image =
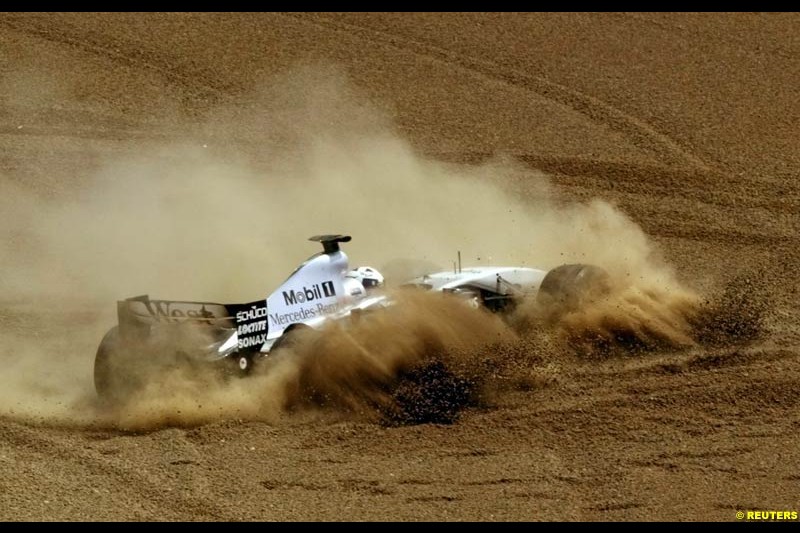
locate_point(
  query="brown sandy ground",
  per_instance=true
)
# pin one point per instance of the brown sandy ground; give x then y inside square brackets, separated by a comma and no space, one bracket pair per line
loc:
[688,122]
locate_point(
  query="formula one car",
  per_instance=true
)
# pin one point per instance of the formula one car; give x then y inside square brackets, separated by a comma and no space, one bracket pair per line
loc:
[234,335]
[323,288]
[500,289]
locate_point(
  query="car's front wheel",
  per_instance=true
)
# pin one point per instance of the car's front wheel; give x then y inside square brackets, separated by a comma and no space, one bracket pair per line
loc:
[570,287]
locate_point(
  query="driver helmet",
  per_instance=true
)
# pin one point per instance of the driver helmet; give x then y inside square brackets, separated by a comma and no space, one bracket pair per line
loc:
[368,276]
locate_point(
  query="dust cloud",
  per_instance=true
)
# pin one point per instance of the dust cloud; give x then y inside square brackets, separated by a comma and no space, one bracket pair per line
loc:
[352,368]
[223,214]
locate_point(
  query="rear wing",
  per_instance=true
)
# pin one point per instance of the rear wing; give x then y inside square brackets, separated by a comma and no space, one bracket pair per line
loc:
[139,314]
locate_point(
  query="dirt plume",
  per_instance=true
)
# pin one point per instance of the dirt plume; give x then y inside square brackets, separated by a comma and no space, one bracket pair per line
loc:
[368,366]
[738,313]
[196,218]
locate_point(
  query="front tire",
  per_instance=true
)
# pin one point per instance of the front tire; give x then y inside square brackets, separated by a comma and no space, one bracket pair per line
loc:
[570,287]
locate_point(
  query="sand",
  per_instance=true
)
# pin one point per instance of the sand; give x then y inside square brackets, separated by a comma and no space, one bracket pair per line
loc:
[189,156]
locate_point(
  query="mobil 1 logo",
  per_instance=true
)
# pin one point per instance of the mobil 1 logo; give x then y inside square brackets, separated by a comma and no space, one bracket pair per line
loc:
[305,294]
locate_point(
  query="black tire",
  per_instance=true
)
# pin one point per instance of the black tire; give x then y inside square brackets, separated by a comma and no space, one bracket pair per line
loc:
[570,287]
[109,379]
[120,369]
[103,363]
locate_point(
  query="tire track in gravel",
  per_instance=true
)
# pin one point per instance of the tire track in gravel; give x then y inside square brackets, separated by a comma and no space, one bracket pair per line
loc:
[656,179]
[684,192]
[641,134]
[124,52]
[631,438]
[730,40]
[146,487]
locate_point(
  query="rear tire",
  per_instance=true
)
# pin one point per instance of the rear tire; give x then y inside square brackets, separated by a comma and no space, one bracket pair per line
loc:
[116,376]
[106,372]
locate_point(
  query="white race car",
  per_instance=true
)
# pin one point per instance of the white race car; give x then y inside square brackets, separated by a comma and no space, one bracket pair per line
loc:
[321,289]
[500,289]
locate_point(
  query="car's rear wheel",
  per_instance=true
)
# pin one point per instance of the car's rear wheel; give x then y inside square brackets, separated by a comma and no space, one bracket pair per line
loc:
[115,378]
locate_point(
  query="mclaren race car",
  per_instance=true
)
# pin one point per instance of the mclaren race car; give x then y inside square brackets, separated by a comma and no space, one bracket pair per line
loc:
[323,288]
[500,289]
